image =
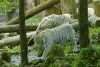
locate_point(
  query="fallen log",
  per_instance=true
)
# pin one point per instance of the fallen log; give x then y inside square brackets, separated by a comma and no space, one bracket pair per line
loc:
[15,28]
[32,27]
[35,10]
[13,41]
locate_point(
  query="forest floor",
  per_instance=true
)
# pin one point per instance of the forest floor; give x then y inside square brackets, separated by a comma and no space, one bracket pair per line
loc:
[87,57]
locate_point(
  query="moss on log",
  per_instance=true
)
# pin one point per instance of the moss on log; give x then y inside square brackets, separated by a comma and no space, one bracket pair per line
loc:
[15,28]
[13,41]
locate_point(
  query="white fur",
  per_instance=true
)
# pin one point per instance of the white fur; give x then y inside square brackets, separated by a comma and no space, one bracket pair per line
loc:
[52,21]
[57,35]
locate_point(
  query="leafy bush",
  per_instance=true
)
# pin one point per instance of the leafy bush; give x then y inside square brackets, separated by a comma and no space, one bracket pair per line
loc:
[88,57]
[68,48]
[5,56]
[56,53]
[98,63]
[81,63]
[60,63]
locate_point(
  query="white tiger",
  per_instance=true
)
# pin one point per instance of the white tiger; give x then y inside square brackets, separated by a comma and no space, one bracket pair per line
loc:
[57,35]
[52,21]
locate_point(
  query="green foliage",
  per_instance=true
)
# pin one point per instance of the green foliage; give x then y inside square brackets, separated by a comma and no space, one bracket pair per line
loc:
[81,63]
[72,57]
[94,35]
[97,48]
[5,56]
[6,48]
[34,62]
[5,5]
[6,64]
[98,63]
[60,63]
[56,56]
[93,31]
[14,50]
[88,57]
[68,48]
[56,53]
[32,20]
[87,53]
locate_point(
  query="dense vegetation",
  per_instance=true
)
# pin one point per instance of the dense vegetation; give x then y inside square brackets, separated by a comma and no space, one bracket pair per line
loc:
[86,57]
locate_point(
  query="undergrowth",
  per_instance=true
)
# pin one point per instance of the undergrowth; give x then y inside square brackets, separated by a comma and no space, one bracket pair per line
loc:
[87,57]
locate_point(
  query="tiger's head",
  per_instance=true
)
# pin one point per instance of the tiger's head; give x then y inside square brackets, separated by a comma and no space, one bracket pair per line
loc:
[38,41]
[68,18]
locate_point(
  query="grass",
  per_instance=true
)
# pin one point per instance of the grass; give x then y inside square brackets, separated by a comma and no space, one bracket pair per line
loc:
[93,31]
[32,20]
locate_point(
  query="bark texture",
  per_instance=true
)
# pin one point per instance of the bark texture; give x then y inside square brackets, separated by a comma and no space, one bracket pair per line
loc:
[96,6]
[15,28]
[71,6]
[83,23]
[55,9]
[23,39]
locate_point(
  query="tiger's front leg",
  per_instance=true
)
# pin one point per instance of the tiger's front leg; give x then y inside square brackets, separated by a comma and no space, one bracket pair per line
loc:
[46,52]
[75,47]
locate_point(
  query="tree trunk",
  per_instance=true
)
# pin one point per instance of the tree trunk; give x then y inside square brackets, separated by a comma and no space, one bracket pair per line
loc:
[83,23]
[35,10]
[96,6]
[53,10]
[30,4]
[23,39]
[26,5]
[68,6]
[36,2]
